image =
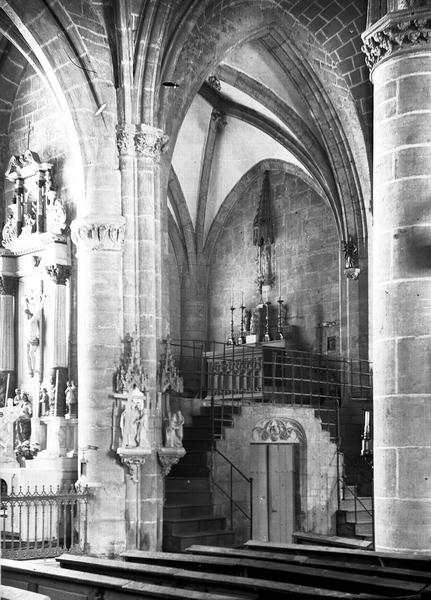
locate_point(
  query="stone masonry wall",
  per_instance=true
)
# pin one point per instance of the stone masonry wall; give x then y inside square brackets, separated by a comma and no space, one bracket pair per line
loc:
[307,253]
[320,505]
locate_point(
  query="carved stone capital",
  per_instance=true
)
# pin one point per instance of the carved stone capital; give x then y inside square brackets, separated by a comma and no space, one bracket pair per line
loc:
[150,142]
[8,285]
[60,274]
[168,457]
[98,233]
[125,133]
[396,31]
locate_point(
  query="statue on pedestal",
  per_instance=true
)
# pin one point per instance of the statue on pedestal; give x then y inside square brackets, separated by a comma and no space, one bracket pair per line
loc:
[23,421]
[71,400]
[173,432]
[44,402]
[134,421]
[33,312]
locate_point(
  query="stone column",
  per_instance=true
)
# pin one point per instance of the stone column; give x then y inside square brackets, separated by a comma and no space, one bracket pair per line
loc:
[58,345]
[126,153]
[8,286]
[149,143]
[99,241]
[398,50]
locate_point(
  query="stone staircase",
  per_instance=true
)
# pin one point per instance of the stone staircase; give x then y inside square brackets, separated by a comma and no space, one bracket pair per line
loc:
[354,518]
[188,513]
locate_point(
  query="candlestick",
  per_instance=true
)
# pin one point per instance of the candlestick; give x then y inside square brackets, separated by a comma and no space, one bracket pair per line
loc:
[279,283]
[241,339]
[231,340]
[267,337]
[280,335]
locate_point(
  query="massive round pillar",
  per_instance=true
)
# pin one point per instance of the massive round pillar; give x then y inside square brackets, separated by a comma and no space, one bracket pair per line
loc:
[399,55]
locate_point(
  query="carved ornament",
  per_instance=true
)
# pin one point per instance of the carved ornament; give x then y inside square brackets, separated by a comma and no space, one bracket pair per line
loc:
[130,374]
[395,35]
[60,274]
[219,118]
[95,234]
[169,376]
[168,457]
[55,215]
[350,249]
[8,285]
[150,142]
[214,82]
[133,465]
[10,231]
[125,138]
[277,430]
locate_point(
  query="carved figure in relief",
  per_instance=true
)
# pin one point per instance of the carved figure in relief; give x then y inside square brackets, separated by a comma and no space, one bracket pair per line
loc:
[134,421]
[33,312]
[23,421]
[44,402]
[174,430]
[71,399]
[18,397]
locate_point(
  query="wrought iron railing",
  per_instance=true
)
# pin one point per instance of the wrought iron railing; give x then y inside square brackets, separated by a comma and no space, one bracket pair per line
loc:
[43,523]
[229,494]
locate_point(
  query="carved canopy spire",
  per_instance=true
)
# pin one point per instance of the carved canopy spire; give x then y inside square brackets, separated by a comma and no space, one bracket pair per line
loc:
[263,229]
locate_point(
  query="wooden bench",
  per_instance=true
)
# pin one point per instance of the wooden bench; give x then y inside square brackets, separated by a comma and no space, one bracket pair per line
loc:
[416,561]
[58,584]
[262,588]
[237,560]
[12,593]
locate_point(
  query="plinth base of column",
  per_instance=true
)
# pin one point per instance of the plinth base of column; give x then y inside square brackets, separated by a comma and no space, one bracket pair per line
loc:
[168,457]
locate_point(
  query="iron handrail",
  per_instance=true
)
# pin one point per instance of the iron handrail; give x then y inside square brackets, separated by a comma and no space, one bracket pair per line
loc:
[229,495]
[358,499]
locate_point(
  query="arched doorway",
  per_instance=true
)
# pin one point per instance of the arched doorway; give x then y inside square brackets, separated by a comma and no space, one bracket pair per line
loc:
[277,465]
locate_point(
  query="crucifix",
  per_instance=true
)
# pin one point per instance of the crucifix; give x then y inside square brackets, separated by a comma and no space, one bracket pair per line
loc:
[30,129]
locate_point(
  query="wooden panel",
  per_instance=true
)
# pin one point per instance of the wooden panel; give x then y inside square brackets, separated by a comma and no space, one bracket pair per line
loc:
[258,470]
[57,592]
[281,495]
[17,583]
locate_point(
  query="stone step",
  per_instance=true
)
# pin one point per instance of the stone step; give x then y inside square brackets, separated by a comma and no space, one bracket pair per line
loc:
[193,524]
[194,457]
[186,511]
[362,503]
[195,445]
[173,484]
[187,497]
[364,529]
[361,516]
[189,470]
[197,433]
[179,543]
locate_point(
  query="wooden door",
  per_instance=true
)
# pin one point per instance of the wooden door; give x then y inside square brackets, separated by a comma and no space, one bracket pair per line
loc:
[273,492]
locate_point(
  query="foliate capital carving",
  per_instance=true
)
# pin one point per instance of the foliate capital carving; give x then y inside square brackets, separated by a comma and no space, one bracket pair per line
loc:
[8,285]
[150,141]
[133,465]
[98,234]
[125,138]
[396,32]
[60,274]
[168,460]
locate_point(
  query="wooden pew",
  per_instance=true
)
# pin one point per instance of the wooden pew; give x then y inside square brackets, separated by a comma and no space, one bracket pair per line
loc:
[263,588]
[407,560]
[11,593]
[230,560]
[59,584]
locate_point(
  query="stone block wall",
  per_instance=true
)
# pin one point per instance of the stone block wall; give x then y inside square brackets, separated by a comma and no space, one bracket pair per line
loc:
[307,253]
[318,507]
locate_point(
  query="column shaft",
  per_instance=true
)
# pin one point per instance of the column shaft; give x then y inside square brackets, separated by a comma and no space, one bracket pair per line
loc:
[401,300]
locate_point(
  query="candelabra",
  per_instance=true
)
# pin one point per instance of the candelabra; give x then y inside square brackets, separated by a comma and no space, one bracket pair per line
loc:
[280,335]
[267,337]
[231,340]
[241,339]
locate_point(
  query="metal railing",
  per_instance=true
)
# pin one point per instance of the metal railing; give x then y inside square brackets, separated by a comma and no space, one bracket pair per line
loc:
[230,494]
[43,523]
